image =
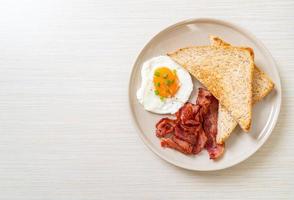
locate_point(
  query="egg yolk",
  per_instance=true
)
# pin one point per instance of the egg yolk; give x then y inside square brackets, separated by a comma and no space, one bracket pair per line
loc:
[166,82]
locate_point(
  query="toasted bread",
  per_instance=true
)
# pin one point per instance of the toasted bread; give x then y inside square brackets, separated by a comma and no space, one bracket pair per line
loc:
[227,73]
[261,86]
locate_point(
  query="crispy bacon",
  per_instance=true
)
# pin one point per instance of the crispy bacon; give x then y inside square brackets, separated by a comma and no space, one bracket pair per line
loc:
[168,142]
[201,141]
[194,128]
[187,114]
[216,151]
[181,134]
[185,146]
[164,127]
[210,124]
[177,144]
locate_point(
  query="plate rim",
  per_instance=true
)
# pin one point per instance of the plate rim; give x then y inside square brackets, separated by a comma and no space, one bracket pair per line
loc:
[241,30]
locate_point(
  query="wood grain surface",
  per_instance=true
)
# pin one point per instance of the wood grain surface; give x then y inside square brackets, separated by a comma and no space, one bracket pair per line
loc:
[65,130]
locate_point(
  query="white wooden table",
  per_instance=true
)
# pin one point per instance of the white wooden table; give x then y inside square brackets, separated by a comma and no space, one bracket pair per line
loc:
[65,130]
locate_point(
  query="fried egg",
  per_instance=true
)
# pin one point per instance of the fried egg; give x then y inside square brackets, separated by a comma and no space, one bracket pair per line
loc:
[165,86]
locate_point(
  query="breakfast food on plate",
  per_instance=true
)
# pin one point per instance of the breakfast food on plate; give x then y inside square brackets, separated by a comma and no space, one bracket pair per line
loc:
[194,128]
[233,83]
[165,86]
[261,86]
[226,72]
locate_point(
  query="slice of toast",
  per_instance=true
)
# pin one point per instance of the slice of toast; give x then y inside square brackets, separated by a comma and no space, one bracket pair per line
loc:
[226,72]
[261,86]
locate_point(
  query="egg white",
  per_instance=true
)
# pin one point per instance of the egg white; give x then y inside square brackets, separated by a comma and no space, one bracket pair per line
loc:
[152,102]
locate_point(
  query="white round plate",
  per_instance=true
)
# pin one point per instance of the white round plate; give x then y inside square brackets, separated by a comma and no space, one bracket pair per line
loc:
[265,113]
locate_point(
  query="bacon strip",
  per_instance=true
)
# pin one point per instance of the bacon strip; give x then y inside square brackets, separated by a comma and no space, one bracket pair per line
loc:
[177,144]
[194,128]
[210,124]
[164,127]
